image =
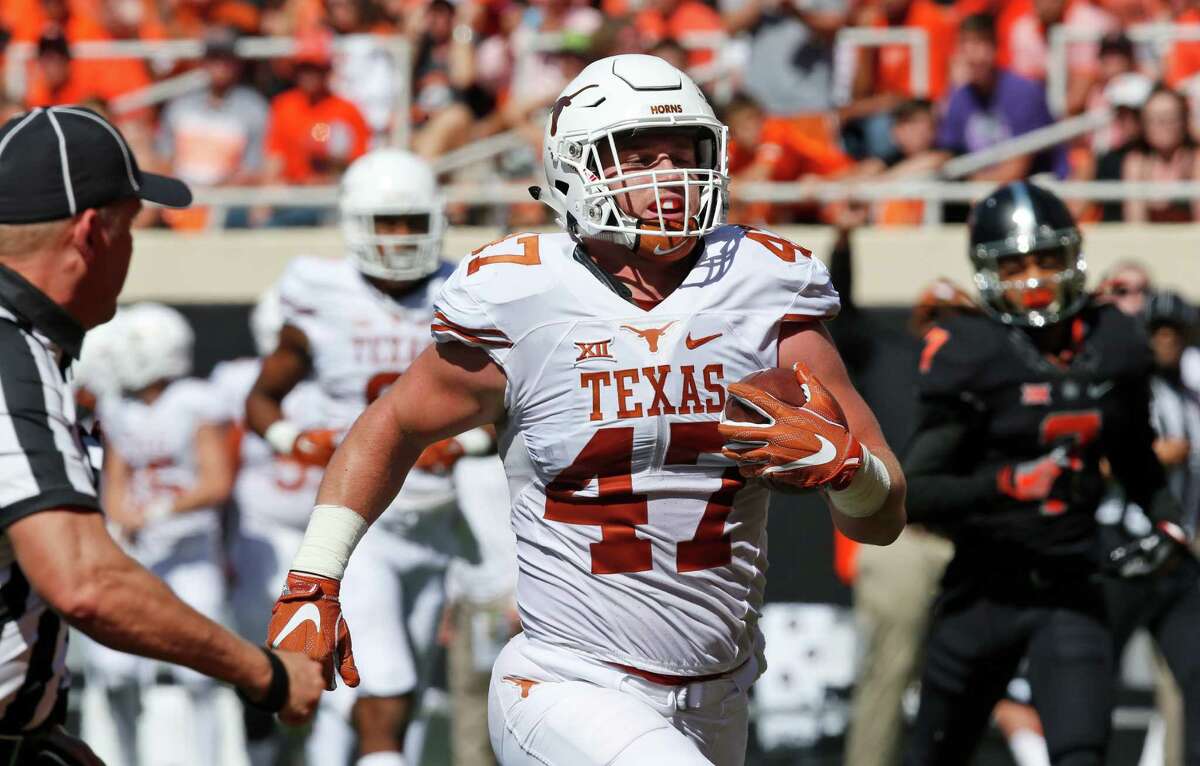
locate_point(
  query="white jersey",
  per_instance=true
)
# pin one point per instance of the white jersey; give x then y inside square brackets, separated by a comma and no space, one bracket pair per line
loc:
[270,487]
[361,340]
[158,442]
[637,542]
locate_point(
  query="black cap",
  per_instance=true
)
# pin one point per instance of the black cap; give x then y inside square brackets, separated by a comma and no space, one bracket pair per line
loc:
[59,161]
[53,41]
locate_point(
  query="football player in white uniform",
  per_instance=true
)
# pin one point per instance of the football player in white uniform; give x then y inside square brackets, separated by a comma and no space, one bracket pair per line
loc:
[167,471]
[355,326]
[272,495]
[606,354]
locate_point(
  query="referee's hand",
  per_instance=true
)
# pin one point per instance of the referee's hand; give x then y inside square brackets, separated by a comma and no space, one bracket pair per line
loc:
[305,684]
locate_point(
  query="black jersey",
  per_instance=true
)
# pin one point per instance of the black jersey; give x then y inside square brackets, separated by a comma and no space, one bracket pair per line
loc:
[990,401]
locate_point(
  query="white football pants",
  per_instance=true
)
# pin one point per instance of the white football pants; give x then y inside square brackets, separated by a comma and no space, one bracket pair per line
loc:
[552,707]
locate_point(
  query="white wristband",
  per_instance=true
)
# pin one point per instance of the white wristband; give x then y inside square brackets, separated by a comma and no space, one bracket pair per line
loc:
[333,532]
[282,436]
[867,491]
[475,442]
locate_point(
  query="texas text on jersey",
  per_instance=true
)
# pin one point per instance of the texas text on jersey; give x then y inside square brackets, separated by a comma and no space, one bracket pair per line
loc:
[638,543]
[1020,406]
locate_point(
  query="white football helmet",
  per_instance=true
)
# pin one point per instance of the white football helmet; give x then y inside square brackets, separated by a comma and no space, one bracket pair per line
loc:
[266,320]
[156,344]
[611,99]
[96,369]
[390,182]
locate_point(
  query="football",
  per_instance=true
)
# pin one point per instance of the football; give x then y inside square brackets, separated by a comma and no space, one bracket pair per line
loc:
[779,382]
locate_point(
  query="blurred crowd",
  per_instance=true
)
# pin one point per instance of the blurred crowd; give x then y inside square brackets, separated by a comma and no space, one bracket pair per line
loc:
[801,101]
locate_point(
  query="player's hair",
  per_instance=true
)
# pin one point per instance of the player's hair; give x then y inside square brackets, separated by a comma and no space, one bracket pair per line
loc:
[979,24]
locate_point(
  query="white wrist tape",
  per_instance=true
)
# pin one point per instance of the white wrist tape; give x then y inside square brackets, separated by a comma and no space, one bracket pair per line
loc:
[282,436]
[867,491]
[333,532]
[475,442]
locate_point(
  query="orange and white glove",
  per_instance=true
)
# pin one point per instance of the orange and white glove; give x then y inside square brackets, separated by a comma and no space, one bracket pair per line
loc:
[314,447]
[308,618]
[802,446]
[440,456]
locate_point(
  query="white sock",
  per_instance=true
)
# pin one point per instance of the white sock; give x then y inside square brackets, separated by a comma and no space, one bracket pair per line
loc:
[1028,748]
[332,738]
[382,759]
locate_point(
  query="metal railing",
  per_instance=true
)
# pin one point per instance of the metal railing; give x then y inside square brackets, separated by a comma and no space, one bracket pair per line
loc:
[931,192]
[916,38]
[19,55]
[1158,37]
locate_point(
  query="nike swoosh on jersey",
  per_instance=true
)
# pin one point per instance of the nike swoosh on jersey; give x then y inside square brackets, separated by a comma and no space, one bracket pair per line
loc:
[698,342]
[1098,390]
[306,613]
[822,456]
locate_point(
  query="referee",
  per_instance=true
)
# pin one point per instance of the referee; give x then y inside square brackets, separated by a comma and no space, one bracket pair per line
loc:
[69,191]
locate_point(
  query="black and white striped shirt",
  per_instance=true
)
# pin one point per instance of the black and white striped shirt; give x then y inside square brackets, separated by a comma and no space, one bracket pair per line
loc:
[43,466]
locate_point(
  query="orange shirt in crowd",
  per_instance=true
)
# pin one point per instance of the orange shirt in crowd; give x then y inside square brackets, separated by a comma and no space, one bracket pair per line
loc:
[1184,59]
[689,17]
[790,150]
[940,23]
[99,79]
[75,90]
[307,136]
[27,21]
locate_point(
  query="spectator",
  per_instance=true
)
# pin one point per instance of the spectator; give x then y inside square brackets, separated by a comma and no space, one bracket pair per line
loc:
[312,134]
[682,22]
[364,71]
[1166,152]
[191,18]
[29,20]
[1126,94]
[763,148]
[451,102]
[1116,65]
[215,137]
[882,76]
[1027,47]
[1183,61]
[790,69]
[914,131]
[993,106]
[55,78]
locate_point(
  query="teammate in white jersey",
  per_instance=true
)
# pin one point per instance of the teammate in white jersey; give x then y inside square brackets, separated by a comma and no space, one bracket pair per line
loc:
[167,472]
[355,326]
[272,496]
[606,355]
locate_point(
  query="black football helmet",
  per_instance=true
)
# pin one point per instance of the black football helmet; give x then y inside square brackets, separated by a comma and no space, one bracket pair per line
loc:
[1017,219]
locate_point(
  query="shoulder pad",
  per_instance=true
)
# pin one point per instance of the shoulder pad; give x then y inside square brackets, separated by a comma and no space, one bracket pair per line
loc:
[956,352]
[771,265]
[200,398]
[1120,340]
[306,284]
